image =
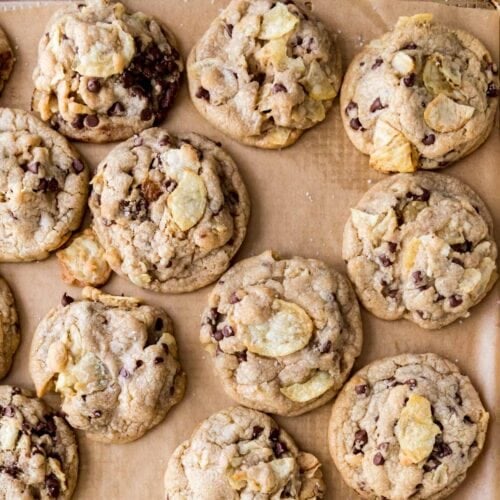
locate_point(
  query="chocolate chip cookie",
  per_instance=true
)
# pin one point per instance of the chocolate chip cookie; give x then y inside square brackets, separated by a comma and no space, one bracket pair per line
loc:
[105,73]
[283,333]
[38,449]
[242,453]
[9,328]
[264,72]
[420,247]
[407,426]
[420,97]
[170,211]
[7,59]
[113,361]
[43,188]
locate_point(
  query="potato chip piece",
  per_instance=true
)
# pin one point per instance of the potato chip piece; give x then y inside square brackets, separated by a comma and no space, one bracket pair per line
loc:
[91,293]
[410,251]
[188,201]
[403,63]
[470,280]
[317,385]
[317,83]
[361,220]
[409,21]
[416,430]
[288,330]
[443,114]
[277,22]
[412,209]
[264,477]
[441,75]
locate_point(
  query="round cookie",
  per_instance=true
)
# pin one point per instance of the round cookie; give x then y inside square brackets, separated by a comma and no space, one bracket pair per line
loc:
[283,334]
[420,247]
[7,59]
[113,361]
[43,184]
[9,328]
[242,453]
[407,426]
[264,72]
[39,452]
[104,73]
[420,97]
[170,211]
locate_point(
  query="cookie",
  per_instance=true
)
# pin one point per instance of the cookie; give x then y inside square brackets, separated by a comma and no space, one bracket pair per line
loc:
[170,211]
[105,73]
[38,452]
[242,453]
[9,328]
[420,97]
[407,426]
[44,185]
[83,261]
[420,247]
[283,333]
[113,361]
[264,72]
[7,59]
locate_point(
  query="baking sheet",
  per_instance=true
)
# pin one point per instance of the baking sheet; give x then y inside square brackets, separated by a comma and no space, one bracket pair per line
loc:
[300,198]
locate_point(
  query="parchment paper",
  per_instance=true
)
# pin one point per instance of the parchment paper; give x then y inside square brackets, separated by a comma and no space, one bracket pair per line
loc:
[301,198]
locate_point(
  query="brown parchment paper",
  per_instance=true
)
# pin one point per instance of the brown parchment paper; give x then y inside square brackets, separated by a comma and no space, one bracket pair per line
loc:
[301,198]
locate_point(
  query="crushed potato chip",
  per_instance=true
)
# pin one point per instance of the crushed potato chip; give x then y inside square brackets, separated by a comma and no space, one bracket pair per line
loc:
[443,114]
[317,385]
[277,22]
[91,293]
[264,478]
[441,75]
[288,330]
[9,432]
[410,252]
[470,280]
[403,63]
[416,430]
[317,83]
[405,21]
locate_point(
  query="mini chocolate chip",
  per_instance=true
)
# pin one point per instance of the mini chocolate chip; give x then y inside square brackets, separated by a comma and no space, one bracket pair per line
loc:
[97,413]
[279,87]
[455,300]
[77,165]
[279,449]
[418,277]
[234,299]
[431,464]
[257,431]
[429,139]
[158,324]
[468,420]
[241,356]
[377,62]
[15,391]
[492,90]
[464,247]
[66,299]
[410,46]
[458,262]
[384,260]
[458,398]
[442,450]
[116,108]
[377,105]
[326,347]
[217,335]
[378,459]
[9,411]
[389,292]
[229,29]
[159,360]
[419,197]
[227,331]
[355,124]
[12,470]
[360,439]
[274,435]
[352,106]
[361,389]
[202,93]
[139,363]
[146,115]
[91,121]
[170,185]
[124,372]
[53,486]
[412,383]
[78,121]
[33,167]
[165,141]
[260,78]
[392,246]
[165,348]
[93,85]
[409,80]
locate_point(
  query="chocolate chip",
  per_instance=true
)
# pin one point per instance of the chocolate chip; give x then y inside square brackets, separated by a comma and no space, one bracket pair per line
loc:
[212,317]
[97,413]
[15,391]
[11,470]
[165,348]
[352,106]
[431,464]
[257,431]
[464,247]
[260,78]
[411,383]
[418,277]
[429,139]
[8,411]
[361,389]
[279,87]
[53,486]
[377,62]
[229,29]
[410,46]
[93,85]
[33,167]
[116,108]
[124,372]
[77,165]
[279,449]
[455,300]
[241,356]
[492,90]
[151,190]
[158,360]
[468,420]
[457,261]
[139,363]
[91,121]
[458,398]
[326,347]
[66,299]
[441,450]
[158,324]
[378,459]
[384,260]
[146,115]
[493,68]
[78,121]
[355,124]
[419,197]
[389,292]
[227,331]
[217,335]
[360,439]
[409,80]
[170,185]
[377,105]
[274,435]
[202,93]
[234,299]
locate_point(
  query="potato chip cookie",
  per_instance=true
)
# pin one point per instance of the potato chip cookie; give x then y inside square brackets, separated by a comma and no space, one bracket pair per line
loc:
[38,449]
[407,426]
[283,334]
[420,247]
[104,73]
[264,72]
[7,59]
[43,188]
[9,328]
[242,453]
[170,211]
[420,97]
[113,361]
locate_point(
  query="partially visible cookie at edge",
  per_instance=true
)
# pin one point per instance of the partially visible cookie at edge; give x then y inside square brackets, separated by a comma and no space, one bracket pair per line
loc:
[7,59]
[10,335]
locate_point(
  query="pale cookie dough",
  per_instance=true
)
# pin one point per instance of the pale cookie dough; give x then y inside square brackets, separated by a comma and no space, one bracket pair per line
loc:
[170,211]
[420,97]
[83,261]
[7,59]
[43,187]
[104,73]
[407,427]
[38,449]
[241,453]
[113,361]
[9,328]
[420,247]
[264,72]
[283,334]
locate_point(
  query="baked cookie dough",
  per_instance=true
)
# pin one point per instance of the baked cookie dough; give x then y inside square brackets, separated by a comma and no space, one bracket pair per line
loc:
[104,73]
[38,449]
[420,97]
[264,72]
[43,187]
[420,247]
[242,453]
[9,328]
[7,59]
[407,426]
[170,211]
[283,334]
[113,361]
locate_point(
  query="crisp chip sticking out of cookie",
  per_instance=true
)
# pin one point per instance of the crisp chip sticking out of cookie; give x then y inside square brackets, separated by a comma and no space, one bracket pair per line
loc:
[317,84]
[443,114]
[288,330]
[9,434]
[403,63]
[277,22]
[317,385]
[441,75]
[416,430]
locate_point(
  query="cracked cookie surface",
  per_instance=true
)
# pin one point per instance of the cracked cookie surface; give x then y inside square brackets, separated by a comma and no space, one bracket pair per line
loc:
[9,328]
[7,59]
[43,188]
[407,426]
[104,73]
[170,211]
[420,97]
[420,247]
[242,453]
[264,72]
[38,449]
[283,334]
[113,361]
